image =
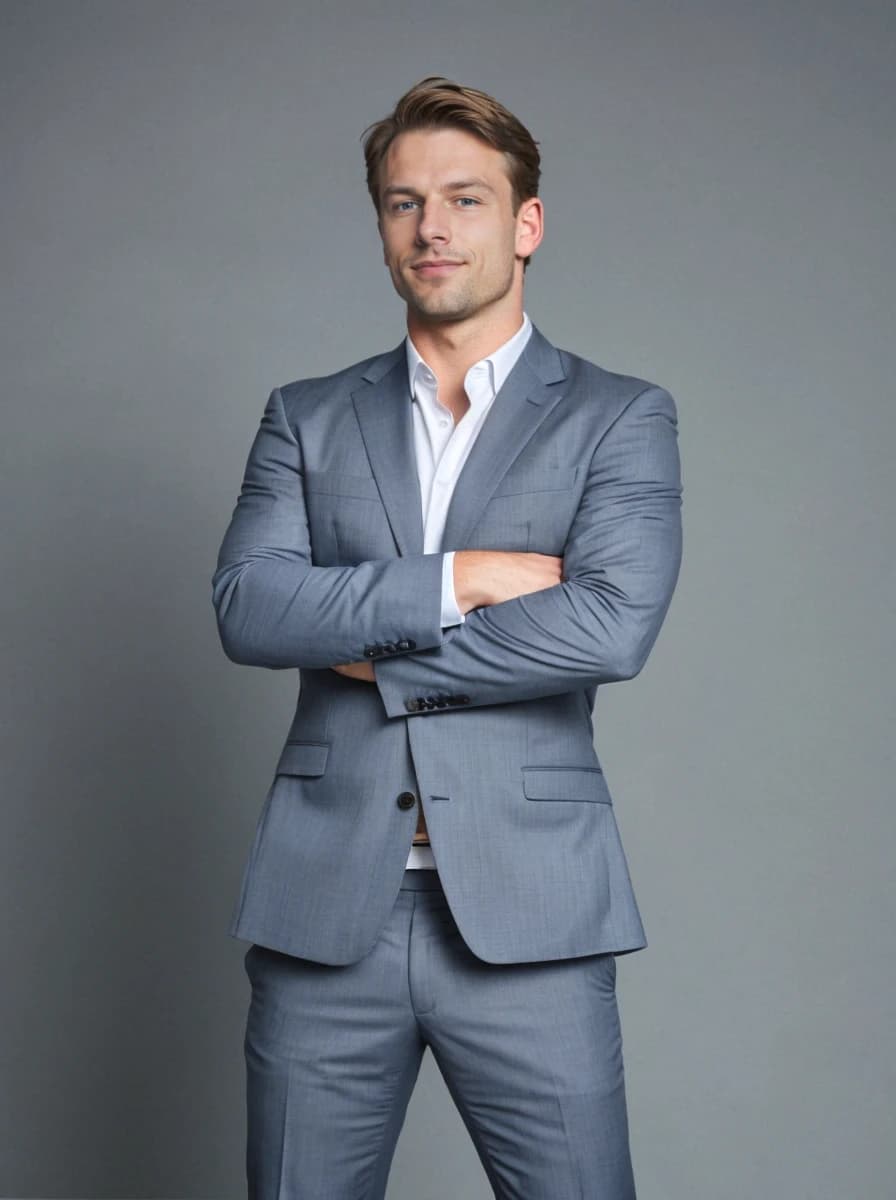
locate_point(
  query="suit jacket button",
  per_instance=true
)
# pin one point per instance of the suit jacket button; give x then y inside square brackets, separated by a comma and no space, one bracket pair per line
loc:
[406,800]
[370,651]
[406,644]
[388,647]
[411,705]
[441,702]
[463,699]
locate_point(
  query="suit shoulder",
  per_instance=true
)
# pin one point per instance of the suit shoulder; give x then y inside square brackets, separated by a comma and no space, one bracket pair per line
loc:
[595,384]
[314,389]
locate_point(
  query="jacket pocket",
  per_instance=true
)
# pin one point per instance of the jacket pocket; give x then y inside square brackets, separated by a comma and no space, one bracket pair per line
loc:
[566,783]
[524,480]
[338,483]
[303,758]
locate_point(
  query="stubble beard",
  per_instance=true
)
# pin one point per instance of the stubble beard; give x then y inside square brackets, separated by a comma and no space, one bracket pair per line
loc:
[456,301]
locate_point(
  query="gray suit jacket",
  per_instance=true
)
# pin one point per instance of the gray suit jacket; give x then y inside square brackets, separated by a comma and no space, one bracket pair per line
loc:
[488,723]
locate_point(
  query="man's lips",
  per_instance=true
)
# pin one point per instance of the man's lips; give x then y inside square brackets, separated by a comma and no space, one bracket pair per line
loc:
[436,267]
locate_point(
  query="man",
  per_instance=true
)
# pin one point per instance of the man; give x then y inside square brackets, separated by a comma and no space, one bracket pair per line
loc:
[455,542]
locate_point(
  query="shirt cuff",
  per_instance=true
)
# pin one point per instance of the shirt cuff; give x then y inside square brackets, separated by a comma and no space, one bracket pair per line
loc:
[451,614]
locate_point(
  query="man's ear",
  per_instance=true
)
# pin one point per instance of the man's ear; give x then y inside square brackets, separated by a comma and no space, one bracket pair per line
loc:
[530,226]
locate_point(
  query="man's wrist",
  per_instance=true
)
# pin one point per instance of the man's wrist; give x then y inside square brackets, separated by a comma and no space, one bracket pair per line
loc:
[468,580]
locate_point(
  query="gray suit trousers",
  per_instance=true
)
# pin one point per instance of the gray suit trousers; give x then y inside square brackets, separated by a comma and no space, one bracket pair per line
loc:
[531,1053]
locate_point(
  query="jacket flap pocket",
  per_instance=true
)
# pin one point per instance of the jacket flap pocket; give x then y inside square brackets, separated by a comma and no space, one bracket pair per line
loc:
[303,758]
[566,783]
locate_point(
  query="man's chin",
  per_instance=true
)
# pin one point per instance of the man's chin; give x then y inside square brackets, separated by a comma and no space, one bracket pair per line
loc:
[441,315]
[439,308]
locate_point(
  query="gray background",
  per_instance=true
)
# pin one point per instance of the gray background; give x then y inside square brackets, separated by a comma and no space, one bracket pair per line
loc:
[186,226]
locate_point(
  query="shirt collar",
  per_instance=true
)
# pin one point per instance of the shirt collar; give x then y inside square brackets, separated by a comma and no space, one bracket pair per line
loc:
[500,362]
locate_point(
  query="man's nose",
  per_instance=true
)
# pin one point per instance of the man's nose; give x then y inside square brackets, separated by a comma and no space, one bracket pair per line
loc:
[433,224]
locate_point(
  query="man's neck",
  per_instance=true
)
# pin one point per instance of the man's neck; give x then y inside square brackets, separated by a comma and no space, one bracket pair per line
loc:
[451,347]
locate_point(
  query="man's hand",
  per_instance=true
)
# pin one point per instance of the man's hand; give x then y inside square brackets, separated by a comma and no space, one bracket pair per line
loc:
[491,576]
[358,670]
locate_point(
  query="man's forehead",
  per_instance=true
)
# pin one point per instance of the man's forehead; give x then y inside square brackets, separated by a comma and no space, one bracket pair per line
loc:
[458,183]
[460,157]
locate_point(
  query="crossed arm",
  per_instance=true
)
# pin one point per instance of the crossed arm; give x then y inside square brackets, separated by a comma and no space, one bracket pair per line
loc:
[597,624]
[483,577]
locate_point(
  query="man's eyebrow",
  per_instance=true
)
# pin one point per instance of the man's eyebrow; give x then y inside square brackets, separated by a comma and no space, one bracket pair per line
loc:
[457,185]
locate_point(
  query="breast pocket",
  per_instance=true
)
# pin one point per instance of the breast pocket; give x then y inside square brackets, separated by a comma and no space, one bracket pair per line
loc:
[532,509]
[347,520]
[526,480]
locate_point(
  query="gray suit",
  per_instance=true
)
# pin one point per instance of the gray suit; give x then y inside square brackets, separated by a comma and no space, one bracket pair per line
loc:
[487,724]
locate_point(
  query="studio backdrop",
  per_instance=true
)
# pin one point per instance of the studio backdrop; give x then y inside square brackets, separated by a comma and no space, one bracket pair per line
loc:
[186,227]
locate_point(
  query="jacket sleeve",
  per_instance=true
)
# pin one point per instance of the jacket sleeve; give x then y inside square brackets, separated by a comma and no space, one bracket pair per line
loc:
[620,567]
[275,609]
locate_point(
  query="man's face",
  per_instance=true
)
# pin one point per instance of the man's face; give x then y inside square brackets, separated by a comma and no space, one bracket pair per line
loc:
[445,198]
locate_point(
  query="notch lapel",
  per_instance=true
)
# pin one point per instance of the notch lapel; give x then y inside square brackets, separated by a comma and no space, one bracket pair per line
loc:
[383,409]
[524,400]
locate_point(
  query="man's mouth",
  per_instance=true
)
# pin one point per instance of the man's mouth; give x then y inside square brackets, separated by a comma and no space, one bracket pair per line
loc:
[436,267]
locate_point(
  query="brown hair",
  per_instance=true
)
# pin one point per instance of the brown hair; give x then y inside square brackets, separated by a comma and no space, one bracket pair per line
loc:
[439,103]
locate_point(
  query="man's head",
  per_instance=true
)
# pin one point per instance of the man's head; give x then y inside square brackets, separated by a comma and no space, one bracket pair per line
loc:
[454,179]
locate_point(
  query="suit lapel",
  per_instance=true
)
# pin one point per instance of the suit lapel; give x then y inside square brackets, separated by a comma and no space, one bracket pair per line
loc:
[524,400]
[384,412]
[383,408]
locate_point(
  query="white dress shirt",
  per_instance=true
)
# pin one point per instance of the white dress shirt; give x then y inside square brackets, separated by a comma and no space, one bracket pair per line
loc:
[441,448]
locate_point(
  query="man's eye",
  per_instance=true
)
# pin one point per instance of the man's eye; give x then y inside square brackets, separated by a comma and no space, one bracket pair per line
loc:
[472,199]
